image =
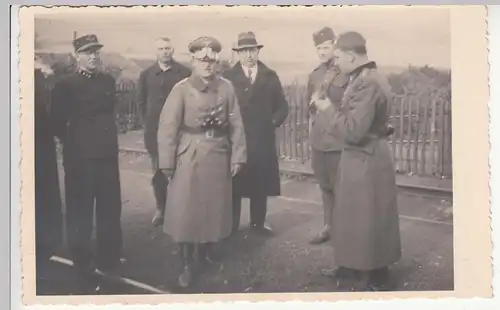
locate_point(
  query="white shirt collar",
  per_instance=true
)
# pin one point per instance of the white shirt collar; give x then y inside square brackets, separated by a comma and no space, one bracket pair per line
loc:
[253,69]
[163,67]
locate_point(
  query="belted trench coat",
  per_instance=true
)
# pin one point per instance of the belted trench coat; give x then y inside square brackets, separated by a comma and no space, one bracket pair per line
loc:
[199,204]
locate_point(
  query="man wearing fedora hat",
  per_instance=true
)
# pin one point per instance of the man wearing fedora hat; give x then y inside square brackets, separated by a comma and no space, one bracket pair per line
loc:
[84,119]
[263,108]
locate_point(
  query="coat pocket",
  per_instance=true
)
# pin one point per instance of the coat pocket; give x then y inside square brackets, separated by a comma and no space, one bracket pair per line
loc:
[183,147]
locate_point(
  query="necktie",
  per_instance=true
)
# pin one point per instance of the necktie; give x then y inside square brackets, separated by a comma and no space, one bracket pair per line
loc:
[250,76]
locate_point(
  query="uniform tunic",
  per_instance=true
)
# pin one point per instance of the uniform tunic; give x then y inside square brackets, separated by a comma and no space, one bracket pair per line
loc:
[326,147]
[84,117]
[199,206]
[366,223]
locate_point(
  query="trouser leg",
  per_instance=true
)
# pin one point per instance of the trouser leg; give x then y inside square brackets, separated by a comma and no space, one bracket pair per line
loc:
[186,276]
[80,198]
[258,210]
[332,161]
[159,183]
[108,213]
[236,201]
[323,177]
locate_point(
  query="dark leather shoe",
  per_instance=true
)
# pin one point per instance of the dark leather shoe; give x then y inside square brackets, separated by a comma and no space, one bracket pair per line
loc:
[262,229]
[339,273]
[320,238]
[158,218]
[185,278]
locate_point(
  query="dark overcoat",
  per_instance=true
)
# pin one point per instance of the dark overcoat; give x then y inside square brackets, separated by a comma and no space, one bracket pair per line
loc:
[263,108]
[154,86]
[365,232]
[48,214]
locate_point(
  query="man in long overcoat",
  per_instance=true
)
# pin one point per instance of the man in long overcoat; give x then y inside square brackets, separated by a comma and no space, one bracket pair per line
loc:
[83,113]
[155,83]
[326,80]
[263,108]
[201,147]
[48,213]
[366,235]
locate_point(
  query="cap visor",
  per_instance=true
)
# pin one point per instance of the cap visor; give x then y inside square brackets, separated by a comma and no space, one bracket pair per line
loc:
[90,47]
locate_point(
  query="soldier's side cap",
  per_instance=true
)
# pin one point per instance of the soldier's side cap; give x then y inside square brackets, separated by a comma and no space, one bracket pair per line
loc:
[350,41]
[86,43]
[323,35]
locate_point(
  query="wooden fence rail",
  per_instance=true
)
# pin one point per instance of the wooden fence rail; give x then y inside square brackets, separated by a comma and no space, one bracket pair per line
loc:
[421,143]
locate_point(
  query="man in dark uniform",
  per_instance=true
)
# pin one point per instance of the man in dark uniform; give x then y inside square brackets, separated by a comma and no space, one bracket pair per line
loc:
[83,114]
[48,213]
[325,81]
[263,109]
[155,84]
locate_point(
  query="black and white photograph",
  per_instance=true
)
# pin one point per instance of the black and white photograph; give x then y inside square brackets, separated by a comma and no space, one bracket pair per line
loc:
[266,150]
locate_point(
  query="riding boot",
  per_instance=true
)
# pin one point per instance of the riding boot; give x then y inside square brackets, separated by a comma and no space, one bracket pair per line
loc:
[206,254]
[186,277]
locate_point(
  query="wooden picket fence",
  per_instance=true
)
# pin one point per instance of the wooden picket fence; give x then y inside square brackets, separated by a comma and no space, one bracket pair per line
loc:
[421,143]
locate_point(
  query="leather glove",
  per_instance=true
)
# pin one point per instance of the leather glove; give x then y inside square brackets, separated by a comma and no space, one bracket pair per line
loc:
[235,169]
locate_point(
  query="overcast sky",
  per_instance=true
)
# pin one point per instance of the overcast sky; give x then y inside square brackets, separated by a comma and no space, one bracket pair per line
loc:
[395,36]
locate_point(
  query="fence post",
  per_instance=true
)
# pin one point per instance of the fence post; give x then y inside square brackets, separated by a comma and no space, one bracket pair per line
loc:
[447,152]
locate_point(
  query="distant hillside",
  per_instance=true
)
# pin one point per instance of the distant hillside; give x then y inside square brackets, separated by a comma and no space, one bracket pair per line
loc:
[128,68]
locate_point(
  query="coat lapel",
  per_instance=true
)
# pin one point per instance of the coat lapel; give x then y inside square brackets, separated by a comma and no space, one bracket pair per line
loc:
[260,79]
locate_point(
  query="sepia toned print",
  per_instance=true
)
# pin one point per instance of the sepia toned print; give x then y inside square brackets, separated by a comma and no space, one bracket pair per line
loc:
[253,150]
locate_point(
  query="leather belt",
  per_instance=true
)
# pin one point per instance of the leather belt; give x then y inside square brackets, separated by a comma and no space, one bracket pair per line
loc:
[209,133]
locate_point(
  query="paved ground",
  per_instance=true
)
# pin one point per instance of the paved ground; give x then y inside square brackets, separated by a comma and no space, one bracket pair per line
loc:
[283,263]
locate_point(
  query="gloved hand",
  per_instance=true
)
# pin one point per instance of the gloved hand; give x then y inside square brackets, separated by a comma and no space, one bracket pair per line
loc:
[235,169]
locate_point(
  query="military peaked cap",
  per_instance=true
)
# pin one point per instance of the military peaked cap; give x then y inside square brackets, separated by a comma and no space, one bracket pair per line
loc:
[86,43]
[205,48]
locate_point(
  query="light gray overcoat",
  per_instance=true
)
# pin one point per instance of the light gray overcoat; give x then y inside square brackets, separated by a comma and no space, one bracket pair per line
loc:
[199,207]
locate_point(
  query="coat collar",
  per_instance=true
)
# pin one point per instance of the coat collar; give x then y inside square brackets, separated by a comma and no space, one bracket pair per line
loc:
[365,65]
[262,72]
[326,66]
[174,67]
[201,85]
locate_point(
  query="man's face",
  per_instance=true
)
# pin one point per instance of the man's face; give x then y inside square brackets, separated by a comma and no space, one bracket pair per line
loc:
[344,60]
[249,56]
[325,51]
[89,59]
[204,68]
[164,51]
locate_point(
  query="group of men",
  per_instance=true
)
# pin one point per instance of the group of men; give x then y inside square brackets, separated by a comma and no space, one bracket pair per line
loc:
[211,141]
